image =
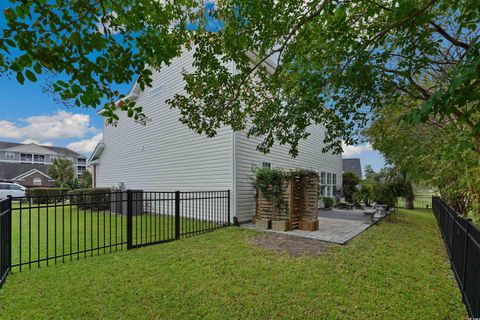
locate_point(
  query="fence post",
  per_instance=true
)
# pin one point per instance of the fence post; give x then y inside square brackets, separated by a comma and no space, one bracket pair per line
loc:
[9,230]
[129,220]
[177,215]
[465,252]
[228,208]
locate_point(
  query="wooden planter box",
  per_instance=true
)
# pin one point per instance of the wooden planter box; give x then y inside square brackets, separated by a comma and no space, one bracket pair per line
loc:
[263,223]
[280,225]
[309,225]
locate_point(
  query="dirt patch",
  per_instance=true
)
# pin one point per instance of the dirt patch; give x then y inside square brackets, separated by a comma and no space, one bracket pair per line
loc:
[294,246]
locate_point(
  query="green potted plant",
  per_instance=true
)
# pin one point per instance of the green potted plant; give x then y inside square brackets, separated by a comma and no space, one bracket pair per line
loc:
[328,203]
[269,183]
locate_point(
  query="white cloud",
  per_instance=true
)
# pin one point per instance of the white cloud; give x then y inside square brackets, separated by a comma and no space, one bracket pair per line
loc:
[46,143]
[9,130]
[86,146]
[61,125]
[106,25]
[352,151]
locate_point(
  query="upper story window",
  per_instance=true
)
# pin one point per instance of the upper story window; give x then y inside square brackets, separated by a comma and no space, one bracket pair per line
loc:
[39,158]
[26,157]
[81,160]
[82,169]
[9,155]
[266,165]
[37,181]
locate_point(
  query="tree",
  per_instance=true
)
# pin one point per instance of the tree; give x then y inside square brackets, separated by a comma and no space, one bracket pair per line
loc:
[61,170]
[86,181]
[350,183]
[438,152]
[337,62]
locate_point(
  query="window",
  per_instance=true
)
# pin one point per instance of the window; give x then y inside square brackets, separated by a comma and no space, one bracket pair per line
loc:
[25,157]
[15,187]
[81,169]
[334,179]
[329,178]
[3,187]
[37,182]
[267,165]
[322,178]
[81,160]
[39,158]
[9,155]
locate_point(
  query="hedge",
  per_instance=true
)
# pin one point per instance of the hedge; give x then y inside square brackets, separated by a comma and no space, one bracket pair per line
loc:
[41,195]
[328,202]
[95,199]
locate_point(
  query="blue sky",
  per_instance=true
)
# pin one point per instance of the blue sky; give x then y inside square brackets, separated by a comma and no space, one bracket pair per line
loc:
[27,114]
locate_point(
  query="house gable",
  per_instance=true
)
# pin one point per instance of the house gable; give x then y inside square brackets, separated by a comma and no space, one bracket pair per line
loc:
[31,172]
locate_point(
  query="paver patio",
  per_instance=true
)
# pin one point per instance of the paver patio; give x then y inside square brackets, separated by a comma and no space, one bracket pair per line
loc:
[337,226]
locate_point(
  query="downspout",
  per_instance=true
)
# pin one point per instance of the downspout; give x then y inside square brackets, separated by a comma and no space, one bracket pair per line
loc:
[234,171]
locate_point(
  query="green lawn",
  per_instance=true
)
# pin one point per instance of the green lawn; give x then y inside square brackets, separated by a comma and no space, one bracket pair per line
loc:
[48,232]
[394,270]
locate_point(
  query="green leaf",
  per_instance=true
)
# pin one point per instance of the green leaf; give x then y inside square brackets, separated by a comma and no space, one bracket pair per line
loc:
[31,76]
[20,78]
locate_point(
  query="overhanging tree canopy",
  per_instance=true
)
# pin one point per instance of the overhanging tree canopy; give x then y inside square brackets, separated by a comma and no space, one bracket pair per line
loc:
[337,62]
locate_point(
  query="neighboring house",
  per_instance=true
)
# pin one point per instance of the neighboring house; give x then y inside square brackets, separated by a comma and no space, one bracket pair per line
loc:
[353,165]
[27,164]
[165,155]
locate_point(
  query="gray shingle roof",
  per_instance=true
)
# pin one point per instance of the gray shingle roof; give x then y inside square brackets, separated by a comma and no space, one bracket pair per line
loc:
[61,150]
[352,165]
[9,171]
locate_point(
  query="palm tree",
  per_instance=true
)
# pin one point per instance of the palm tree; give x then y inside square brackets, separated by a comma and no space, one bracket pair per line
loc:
[61,170]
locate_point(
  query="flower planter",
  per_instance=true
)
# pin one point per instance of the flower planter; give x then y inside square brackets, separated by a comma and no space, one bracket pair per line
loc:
[263,223]
[308,225]
[280,225]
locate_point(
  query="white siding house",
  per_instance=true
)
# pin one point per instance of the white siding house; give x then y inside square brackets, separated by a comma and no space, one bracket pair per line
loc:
[166,155]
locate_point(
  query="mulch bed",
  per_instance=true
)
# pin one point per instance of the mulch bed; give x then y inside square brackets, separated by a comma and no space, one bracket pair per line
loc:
[293,246]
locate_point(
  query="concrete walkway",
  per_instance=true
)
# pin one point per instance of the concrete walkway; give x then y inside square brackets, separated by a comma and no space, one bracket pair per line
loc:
[337,226]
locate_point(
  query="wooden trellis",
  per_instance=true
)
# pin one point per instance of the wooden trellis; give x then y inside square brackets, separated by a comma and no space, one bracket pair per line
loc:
[300,203]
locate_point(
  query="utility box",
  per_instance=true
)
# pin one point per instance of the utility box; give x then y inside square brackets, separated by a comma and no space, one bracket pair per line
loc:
[119,203]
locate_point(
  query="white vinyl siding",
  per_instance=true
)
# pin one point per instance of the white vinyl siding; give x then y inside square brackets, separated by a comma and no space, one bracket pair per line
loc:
[165,155]
[310,157]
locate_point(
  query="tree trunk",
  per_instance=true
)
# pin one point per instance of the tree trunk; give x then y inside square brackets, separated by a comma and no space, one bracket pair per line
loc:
[409,202]
[409,196]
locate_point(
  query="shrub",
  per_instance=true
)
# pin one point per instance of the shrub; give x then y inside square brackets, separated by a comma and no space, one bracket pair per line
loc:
[95,199]
[46,195]
[328,202]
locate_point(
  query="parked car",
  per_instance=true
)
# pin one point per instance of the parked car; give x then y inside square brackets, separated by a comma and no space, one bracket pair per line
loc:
[11,189]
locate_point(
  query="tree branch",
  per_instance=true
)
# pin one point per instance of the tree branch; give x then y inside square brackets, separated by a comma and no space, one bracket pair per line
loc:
[445,34]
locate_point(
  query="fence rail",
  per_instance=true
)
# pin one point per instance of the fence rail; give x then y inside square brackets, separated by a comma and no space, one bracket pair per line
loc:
[462,240]
[42,230]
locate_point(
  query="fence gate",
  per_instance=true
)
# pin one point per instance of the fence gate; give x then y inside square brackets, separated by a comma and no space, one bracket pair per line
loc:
[5,238]
[157,217]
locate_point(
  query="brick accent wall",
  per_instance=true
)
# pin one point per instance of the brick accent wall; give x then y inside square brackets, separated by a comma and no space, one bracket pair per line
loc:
[28,181]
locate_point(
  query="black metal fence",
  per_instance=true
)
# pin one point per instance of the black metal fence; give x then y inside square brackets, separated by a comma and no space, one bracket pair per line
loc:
[5,239]
[421,201]
[462,239]
[43,230]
